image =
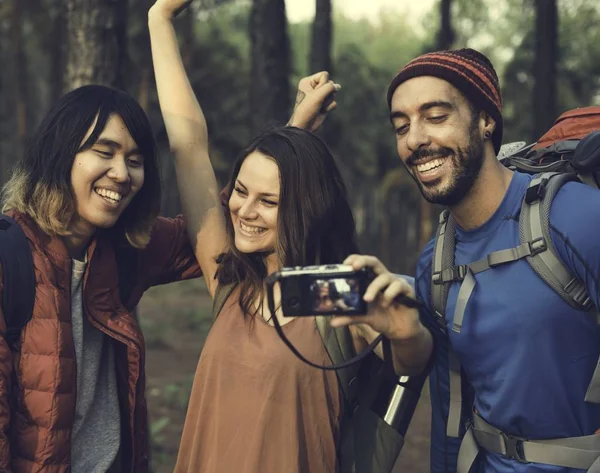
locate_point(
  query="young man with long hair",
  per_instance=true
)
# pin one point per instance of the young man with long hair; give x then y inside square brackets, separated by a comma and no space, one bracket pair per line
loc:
[87,196]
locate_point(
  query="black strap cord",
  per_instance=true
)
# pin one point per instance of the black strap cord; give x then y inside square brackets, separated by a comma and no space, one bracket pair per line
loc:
[273,278]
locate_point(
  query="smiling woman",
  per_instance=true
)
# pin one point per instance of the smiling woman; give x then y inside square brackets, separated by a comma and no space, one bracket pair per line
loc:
[254,406]
[253,207]
[288,207]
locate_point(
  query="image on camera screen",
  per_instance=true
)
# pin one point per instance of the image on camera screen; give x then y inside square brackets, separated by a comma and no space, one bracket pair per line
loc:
[336,295]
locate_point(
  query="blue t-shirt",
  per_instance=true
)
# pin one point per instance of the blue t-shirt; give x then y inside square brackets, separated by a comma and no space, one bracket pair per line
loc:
[528,356]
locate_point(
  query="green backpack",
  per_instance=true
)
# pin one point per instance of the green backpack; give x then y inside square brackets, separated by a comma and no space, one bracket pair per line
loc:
[367,443]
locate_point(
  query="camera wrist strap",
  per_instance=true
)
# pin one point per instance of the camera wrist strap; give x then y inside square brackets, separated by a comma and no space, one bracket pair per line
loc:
[345,364]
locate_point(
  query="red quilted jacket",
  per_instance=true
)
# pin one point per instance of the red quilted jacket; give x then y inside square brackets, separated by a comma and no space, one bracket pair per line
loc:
[37,384]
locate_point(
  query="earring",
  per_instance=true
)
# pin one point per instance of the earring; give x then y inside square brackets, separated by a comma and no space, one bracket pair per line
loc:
[487,135]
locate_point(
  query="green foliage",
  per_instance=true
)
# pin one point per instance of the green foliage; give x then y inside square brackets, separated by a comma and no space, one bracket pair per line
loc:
[216,49]
[365,56]
[505,32]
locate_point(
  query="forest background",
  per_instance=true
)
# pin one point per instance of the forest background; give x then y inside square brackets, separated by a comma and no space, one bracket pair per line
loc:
[244,58]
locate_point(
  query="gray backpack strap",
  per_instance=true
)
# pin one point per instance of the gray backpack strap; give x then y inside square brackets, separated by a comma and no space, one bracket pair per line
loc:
[444,273]
[442,277]
[534,226]
[340,348]
[443,262]
[222,293]
[581,453]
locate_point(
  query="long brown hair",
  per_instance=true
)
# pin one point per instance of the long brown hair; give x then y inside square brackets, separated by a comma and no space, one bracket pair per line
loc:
[315,224]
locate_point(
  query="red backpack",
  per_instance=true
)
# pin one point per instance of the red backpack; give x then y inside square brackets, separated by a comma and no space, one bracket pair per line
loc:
[572,145]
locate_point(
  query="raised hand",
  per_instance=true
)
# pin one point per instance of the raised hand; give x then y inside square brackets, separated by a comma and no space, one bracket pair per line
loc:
[170,8]
[314,100]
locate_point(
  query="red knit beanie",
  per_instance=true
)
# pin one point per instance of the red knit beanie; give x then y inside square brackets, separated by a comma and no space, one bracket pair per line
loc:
[466,69]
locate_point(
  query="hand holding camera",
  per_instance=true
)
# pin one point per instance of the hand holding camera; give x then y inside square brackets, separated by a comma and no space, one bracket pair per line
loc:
[360,291]
[391,304]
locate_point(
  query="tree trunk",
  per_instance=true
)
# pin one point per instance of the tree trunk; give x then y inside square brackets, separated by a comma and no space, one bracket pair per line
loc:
[57,51]
[95,43]
[19,77]
[143,58]
[546,51]
[320,52]
[270,89]
[445,37]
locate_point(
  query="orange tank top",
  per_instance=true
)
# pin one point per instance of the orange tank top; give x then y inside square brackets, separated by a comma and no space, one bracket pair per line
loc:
[256,408]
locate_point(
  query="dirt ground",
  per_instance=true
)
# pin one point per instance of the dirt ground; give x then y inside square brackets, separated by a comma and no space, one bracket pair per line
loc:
[175,320]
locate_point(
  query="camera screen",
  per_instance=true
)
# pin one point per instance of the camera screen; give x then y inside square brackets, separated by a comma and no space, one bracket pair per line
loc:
[336,295]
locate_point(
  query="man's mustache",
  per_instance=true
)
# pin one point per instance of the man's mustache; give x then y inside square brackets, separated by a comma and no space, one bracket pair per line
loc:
[427,153]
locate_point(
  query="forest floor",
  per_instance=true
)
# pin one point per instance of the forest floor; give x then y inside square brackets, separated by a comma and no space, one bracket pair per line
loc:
[175,320]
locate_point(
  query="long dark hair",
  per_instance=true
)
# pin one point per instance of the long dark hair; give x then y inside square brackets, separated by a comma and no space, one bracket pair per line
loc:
[315,224]
[41,182]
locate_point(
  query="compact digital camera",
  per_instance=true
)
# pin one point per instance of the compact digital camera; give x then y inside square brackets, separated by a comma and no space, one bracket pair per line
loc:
[332,289]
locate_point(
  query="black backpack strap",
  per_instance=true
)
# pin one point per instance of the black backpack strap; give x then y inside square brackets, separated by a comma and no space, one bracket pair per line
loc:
[18,276]
[222,293]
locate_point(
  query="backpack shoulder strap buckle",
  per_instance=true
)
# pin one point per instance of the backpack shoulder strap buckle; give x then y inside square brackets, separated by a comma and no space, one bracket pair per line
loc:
[579,294]
[455,273]
[537,246]
[536,190]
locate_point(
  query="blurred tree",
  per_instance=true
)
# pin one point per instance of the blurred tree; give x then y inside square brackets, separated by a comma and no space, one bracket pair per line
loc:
[270,99]
[321,60]
[445,36]
[320,52]
[544,66]
[95,43]
[577,70]
[57,53]
[19,77]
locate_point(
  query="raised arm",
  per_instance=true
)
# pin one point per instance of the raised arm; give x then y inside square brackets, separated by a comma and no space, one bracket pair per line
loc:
[188,140]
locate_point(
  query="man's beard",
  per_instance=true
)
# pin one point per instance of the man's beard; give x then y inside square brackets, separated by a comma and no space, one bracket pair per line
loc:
[466,166]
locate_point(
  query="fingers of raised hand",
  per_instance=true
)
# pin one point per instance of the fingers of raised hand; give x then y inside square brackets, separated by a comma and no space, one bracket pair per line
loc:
[311,82]
[319,79]
[172,7]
